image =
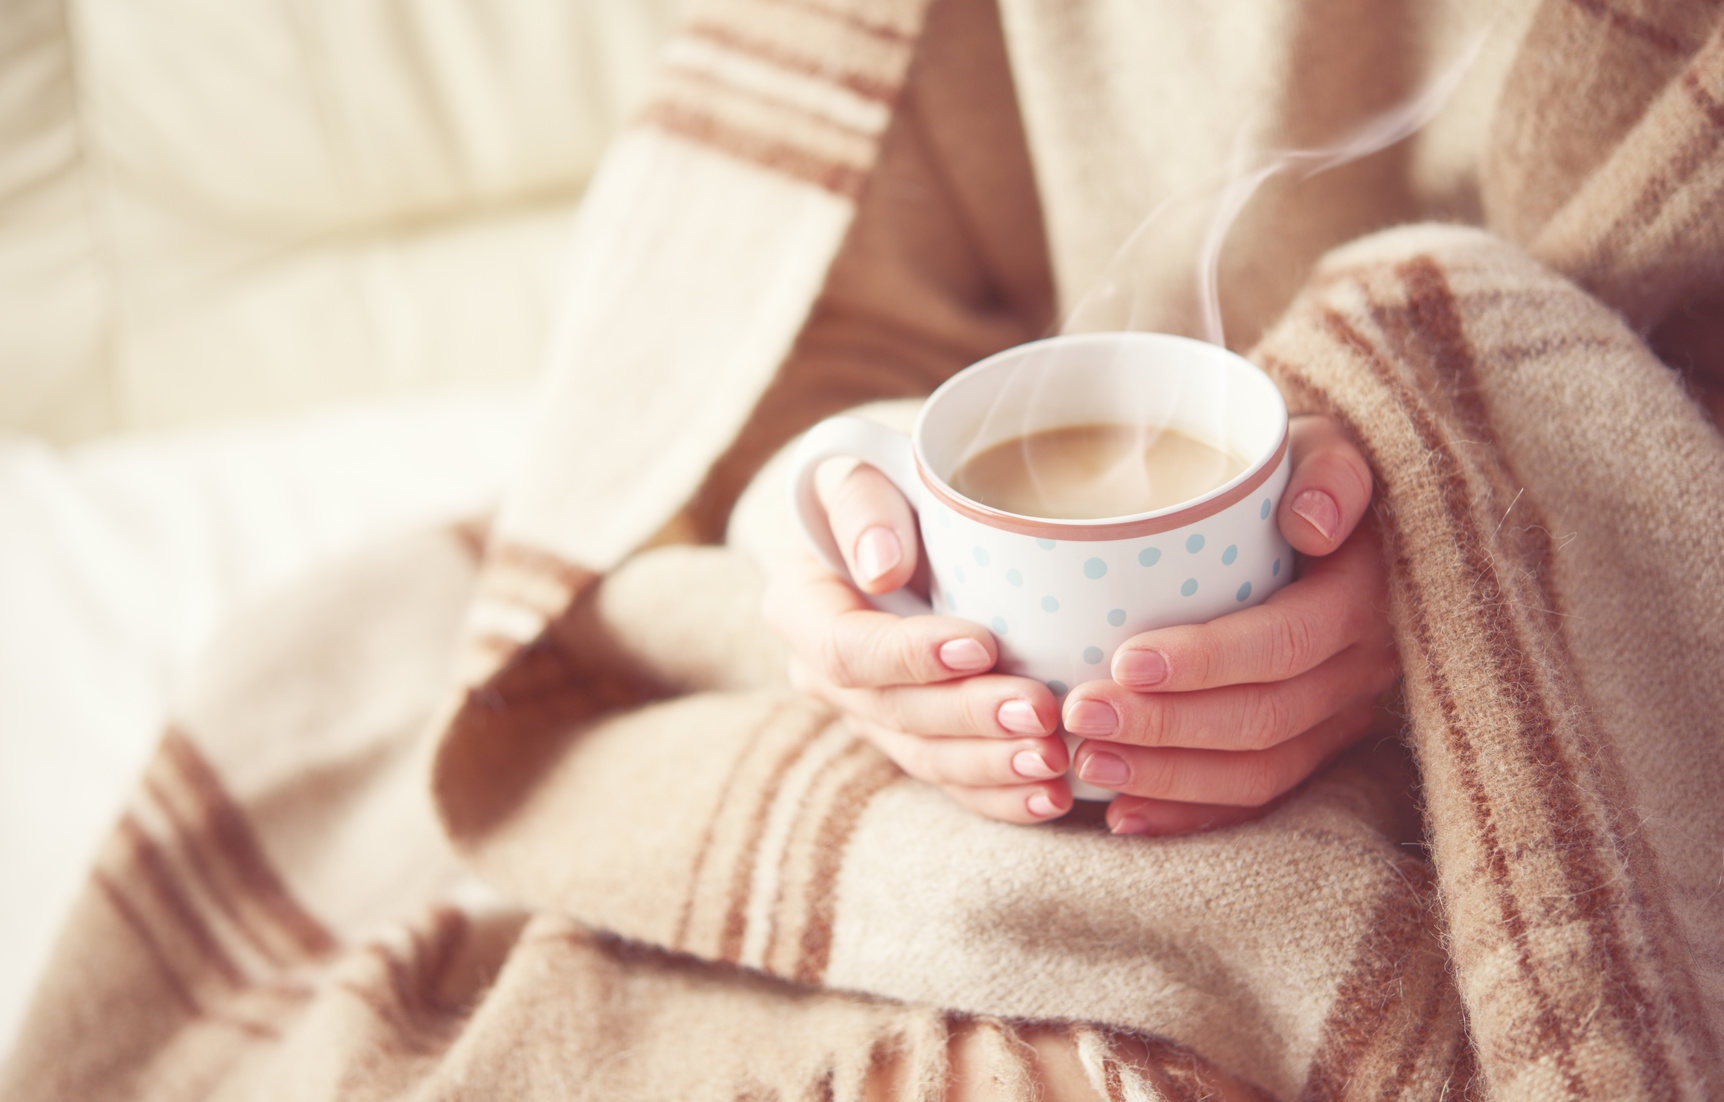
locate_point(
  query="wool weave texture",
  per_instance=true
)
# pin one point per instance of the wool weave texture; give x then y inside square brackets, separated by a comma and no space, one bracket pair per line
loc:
[528,809]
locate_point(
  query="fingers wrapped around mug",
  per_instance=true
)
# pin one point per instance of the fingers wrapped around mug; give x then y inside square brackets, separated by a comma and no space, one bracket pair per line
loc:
[1175,790]
[1338,602]
[1017,780]
[833,632]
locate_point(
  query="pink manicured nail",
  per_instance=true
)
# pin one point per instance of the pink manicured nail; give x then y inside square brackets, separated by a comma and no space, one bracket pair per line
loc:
[1107,770]
[877,551]
[1041,807]
[1320,511]
[1131,824]
[1032,766]
[1139,669]
[1019,717]
[966,656]
[1091,717]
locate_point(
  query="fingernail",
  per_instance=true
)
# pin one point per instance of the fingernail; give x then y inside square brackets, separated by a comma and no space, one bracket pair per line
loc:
[1041,807]
[1032,766]
[1019,717]
[1091,717]
[1131,824]
[877,551]
[1320,511]
[965,656]
[1107,770]
[1139,669]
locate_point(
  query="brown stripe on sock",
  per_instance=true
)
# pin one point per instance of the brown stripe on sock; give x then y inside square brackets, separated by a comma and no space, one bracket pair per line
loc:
[768,153]
[1434,316]
[1549,1029]
[1634,27]
[742,872]
[730,38]
[220,820]
[839,823]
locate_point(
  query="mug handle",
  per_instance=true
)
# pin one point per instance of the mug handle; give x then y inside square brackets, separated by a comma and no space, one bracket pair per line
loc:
[881,448]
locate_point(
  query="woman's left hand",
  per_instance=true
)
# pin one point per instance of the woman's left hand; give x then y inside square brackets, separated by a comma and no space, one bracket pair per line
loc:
[1208,724]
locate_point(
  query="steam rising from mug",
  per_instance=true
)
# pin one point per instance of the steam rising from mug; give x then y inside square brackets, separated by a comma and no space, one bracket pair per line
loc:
[1250,171]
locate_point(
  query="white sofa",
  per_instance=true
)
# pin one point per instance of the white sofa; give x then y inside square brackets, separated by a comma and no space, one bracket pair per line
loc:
[273,276]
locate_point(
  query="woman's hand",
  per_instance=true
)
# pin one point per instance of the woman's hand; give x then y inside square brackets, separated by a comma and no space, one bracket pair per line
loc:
[1202,725]
[918,687]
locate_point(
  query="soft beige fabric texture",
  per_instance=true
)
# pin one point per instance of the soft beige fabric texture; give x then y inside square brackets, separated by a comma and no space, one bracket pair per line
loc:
[211,210]
[293,905]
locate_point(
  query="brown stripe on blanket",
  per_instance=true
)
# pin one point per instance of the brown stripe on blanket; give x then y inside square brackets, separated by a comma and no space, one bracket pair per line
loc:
[892,21]
[1544,1023]
[1433,308]
[821,821]
[842,815]
[237,853]
[534,562]
[530,580]
[702,128]
[817,132]
[472,535]
[1704,100]
[726,859]
[781,56]
[1382,1030]
[799,88]
[1452,369]
[400,988]
[1684,162]
[792,903]
[1582,870]
[153,950]
[743,865]
[1575,853]
[1634,26]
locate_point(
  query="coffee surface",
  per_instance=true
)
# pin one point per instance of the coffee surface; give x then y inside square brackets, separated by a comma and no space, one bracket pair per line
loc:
[1086,472]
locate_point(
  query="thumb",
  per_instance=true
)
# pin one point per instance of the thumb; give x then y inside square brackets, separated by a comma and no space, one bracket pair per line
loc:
[875,529]
[1329,490]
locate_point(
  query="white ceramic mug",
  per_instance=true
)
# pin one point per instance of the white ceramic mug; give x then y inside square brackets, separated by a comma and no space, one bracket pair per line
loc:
[1061,595]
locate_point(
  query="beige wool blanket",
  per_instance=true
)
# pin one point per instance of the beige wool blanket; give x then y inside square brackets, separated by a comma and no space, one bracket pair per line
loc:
[613,855]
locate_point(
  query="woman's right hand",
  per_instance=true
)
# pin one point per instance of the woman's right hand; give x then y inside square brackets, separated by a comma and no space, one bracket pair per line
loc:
[919,688]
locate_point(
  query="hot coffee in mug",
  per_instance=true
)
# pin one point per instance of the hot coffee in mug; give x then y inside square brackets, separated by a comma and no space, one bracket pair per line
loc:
[1076,491]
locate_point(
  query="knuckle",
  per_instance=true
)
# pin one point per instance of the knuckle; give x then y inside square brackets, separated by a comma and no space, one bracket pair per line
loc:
[1156,775]
[975,708]
[920,760]
[915,658]
[1268,722]
[891,710]
[1292,645]
[836,661]
[1153,721]
[1257,780]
